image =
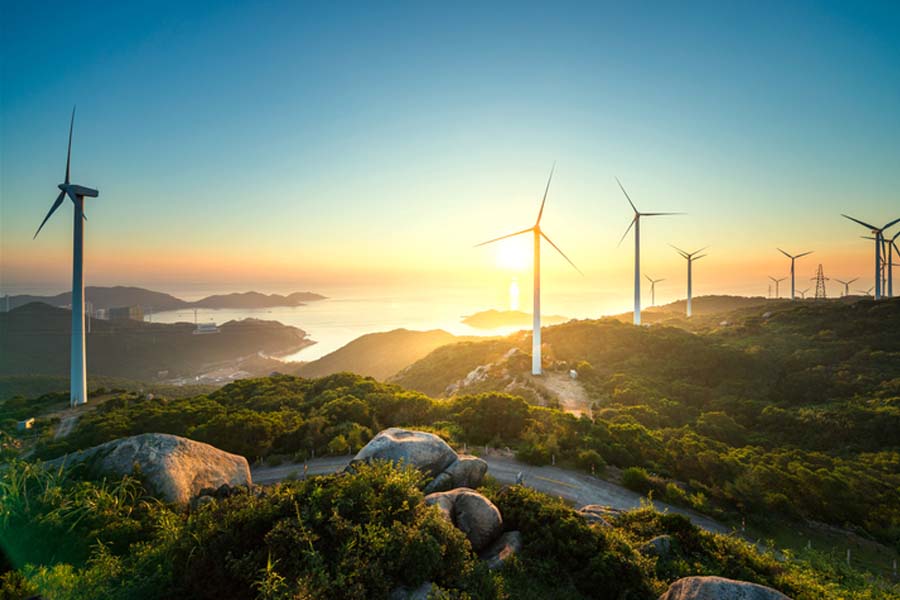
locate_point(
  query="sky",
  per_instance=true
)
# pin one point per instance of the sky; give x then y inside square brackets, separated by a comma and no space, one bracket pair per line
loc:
[285,145]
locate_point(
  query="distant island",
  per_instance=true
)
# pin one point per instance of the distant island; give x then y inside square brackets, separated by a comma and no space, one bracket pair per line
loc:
[492,319]
[34,341]
[110,297]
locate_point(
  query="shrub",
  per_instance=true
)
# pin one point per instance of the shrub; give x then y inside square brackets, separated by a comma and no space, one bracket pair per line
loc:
[636,479]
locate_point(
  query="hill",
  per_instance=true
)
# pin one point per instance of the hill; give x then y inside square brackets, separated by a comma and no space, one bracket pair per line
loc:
[493,319]
[109,297]
[34,339]
[378,355]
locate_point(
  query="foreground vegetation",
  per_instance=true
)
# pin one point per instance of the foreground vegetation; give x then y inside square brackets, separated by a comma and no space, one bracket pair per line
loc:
[354,536]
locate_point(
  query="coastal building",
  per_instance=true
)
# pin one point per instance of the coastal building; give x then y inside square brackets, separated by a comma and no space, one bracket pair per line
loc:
[122,313]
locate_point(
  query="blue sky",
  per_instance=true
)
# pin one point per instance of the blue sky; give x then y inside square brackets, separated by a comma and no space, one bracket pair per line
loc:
[338,142]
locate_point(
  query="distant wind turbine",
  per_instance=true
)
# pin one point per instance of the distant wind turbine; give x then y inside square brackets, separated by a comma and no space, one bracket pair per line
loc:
[867,292]
[690,257]
[878,233]
[793,258]
[77,194]
[777,284]
[846,285]
[889,265]
[538,234]
[636,223]
[653,283]
[803,293]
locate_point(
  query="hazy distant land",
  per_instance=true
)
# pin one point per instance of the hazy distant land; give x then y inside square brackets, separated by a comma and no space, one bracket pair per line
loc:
[109,297]
[493,319]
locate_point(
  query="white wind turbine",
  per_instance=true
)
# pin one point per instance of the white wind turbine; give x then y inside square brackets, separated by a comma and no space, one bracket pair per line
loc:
[846,284]
[636,223]
[777,284]
[867,292]
[878,233]
[803,293]
[690,257]
[793,258]
[653,283]
[77,194]
[536,315]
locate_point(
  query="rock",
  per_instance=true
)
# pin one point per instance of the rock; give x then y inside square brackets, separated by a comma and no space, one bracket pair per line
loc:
[428,453]
[201,501]
[424,451]
[471,513]
[175,469]
[507,545]
[420,593]
[719,588]
[660,546]
[598,514]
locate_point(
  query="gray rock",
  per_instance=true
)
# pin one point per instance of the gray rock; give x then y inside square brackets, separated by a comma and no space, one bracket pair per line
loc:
[660,546]
[424,451]
[719,588]
[441,483]
[175,469]
[507,545]
[471,513]
[467,471]
[420,593]
[598,514]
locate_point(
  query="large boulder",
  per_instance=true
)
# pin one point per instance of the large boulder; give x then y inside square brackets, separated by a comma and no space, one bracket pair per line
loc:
[175,469]
[719,588]
[659,546]
[471,513]
[427,453]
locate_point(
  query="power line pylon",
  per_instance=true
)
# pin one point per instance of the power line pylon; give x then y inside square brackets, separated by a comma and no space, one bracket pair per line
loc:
[820,283]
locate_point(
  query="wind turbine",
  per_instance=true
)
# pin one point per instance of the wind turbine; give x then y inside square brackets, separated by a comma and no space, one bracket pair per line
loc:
[636,223]
[690,257]
[793,258]
[867,292]
[653,283]
[77,194]
[889,265]
[777,283]
[878,233]
[803,293]
[846,285]
[538,234]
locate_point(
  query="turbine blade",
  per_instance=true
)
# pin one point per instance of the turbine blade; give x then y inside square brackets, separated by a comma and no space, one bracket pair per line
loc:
[650,279]
[891,223]
[852,280]
[561,252]
[680,251]
[700,250]
[785,253]
[858,221]
[69,152]
[59,200]
[74,200]
[661,214]
[805,254]
[503,237]
[547,189]
[627,197]
[627,230]
[698,257]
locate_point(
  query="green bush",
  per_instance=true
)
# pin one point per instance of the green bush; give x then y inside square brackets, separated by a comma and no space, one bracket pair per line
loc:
[636,479]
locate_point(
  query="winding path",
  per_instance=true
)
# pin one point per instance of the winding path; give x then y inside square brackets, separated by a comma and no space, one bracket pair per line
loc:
[576,488]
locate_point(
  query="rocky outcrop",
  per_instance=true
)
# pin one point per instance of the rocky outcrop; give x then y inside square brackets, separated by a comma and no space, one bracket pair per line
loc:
[505,547]
[427,453]
[659,546]
[471,513]
[719,588]
[174,469]
[598,514]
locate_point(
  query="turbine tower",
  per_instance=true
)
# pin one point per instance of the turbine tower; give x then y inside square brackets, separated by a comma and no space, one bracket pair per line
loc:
[777,283]
[690,257]
[793,258]
[889,265]
[878,233]
[653,283]
[77,194]
[846,285]
[636,223]
[538,234]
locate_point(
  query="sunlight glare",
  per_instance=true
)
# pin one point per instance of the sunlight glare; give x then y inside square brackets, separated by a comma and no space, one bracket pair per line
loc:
[514,254]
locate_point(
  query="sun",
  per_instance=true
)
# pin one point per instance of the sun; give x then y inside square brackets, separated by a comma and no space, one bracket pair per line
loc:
[514,254]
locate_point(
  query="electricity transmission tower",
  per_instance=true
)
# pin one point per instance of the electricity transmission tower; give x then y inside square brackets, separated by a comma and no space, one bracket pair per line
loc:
[820,283]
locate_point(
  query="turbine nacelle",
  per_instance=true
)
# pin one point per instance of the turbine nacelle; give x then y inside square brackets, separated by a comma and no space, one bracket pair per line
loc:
[78,190]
